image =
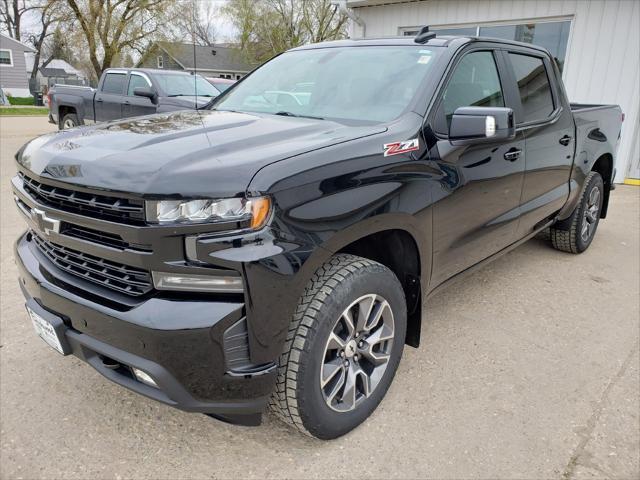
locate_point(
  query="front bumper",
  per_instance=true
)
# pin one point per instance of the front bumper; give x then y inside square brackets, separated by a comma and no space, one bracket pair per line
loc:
[181,343]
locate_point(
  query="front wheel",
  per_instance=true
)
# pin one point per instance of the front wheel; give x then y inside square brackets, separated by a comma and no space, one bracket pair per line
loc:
[343,347]
[576,233]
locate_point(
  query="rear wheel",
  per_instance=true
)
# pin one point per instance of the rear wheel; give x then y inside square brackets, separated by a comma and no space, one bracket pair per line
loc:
[576,233]
[70,120]
[343,347]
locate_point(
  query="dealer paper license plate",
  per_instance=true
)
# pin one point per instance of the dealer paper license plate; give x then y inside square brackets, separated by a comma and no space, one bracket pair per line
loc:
[45,330]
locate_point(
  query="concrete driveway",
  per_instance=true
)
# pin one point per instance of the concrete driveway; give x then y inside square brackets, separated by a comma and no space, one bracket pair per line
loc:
[528,369]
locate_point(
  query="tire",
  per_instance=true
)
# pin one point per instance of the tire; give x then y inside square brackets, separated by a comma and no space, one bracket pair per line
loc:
[575,234]
[344,283]
[70,120]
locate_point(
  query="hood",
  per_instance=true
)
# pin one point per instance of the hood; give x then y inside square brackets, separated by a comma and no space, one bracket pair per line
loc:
[185,101]
[185,153]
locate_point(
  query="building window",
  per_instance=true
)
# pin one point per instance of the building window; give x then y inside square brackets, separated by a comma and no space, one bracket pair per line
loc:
[6,59]
[160,61]
[553,36]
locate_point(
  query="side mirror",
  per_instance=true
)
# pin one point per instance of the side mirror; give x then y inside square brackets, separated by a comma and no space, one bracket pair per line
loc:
[145,92]
[481,124]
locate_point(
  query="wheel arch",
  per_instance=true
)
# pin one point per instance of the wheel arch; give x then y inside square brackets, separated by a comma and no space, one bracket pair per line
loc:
[604,166]
[394,241]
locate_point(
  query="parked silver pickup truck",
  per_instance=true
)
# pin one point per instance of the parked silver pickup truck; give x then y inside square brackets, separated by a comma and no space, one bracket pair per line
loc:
[123,93]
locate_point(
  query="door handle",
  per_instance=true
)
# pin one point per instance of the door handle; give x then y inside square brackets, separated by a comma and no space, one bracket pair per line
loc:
[565,140]
[513,154]
[99,100]
[126,102]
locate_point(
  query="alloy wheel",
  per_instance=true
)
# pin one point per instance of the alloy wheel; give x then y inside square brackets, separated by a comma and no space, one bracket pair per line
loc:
[590,216]
[357,353]
[68,124]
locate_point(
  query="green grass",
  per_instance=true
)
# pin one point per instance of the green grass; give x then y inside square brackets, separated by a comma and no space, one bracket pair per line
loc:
[20,100]
[23,111]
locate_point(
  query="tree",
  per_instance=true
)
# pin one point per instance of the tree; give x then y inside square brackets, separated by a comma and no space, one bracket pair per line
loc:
[195,21]
[49,37]
[11,12]
[111,27]
[269,27]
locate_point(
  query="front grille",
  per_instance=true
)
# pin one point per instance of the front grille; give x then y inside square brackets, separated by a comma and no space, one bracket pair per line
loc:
[102,238]
[115,276]
[113,209]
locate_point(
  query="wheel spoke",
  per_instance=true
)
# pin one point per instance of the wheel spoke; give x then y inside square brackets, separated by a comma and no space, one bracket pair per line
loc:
[594,197]
[335,342]
[330,370]
[336,387]
[365,306]
[348,398]
[348,320]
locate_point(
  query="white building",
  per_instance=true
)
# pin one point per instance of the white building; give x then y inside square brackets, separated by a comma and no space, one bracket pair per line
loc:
[597,43]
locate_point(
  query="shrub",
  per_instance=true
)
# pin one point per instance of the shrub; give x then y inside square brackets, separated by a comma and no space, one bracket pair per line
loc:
[20,100]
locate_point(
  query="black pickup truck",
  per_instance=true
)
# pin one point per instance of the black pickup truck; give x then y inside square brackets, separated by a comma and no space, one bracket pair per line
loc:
[123,93]
[278,250]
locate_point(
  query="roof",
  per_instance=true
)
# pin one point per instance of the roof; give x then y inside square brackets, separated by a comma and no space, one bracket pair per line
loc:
[53,72]
[15,44]
[56,63]
[437,41]
[225,58]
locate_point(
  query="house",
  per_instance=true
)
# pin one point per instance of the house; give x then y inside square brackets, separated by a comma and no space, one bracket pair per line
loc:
[57,71]
[210,61]
[13,74]
[595,43]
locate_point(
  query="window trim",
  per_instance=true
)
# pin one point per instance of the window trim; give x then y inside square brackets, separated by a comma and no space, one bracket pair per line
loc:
[10,64]
[435,107]
[114,72]
[137,74]
[160,61]
[546,62]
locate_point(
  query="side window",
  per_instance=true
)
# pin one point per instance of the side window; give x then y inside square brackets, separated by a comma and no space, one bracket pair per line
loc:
[534,87]
[114,83]
[136,81]
[474,83]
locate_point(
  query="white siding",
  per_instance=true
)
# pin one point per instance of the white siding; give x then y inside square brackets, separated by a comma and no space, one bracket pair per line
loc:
[603,56]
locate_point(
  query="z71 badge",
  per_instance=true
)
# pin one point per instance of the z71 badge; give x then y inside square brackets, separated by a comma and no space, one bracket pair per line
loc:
[396,148]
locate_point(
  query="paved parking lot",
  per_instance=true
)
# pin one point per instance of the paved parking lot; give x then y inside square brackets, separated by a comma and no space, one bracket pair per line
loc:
[528,369]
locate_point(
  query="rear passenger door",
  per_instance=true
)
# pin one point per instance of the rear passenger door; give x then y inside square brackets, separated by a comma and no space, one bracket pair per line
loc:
[109,98]
[548,128]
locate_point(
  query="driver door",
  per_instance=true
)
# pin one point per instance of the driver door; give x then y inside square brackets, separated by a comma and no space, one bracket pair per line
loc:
[476,210]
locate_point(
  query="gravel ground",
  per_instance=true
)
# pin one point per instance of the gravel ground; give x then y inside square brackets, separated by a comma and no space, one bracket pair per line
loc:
[528,369]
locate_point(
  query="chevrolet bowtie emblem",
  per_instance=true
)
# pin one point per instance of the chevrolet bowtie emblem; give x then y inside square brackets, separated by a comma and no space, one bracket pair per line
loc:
[44,223]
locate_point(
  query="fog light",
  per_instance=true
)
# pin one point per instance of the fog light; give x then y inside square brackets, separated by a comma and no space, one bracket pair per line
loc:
[197,283]
[144,377]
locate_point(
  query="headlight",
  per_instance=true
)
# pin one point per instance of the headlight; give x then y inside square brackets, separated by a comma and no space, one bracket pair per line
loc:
[252,211]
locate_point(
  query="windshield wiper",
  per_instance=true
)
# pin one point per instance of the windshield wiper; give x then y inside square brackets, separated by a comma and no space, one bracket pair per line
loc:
[190,95]
[291,114]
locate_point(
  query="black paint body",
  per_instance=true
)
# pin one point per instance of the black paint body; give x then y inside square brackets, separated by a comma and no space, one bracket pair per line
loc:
[440,211]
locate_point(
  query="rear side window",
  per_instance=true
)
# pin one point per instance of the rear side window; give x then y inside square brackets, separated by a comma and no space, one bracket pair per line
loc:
[114,83]
[534,87]
[474,83]
[136,81]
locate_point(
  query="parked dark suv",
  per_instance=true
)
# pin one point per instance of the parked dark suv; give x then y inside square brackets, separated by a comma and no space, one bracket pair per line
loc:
[278,247]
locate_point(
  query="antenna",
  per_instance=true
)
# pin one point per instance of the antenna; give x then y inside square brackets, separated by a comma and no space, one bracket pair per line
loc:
[193,42]
[424,35]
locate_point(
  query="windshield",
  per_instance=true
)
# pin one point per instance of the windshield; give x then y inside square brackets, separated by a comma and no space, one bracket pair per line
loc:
[347,83]
[185,85]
